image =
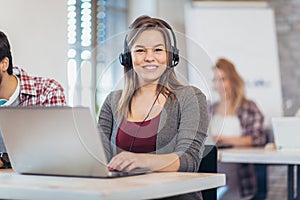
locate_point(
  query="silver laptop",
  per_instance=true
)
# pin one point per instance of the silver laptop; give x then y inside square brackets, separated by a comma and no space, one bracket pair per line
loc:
[286,132]
[55,141]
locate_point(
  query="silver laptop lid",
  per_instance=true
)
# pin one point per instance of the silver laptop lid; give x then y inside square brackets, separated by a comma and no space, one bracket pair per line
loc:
[53,140]
[286,132]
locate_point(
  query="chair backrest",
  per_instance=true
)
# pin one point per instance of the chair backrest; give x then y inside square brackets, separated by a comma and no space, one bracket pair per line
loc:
[209,165]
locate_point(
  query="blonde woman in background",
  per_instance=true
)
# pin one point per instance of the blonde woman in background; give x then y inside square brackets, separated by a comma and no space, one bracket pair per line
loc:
[236,121]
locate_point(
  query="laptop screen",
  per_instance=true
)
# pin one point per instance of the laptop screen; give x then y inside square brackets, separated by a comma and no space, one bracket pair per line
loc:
[53,140]
[286,132]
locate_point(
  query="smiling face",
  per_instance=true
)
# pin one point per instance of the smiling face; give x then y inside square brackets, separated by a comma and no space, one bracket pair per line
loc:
[149,56]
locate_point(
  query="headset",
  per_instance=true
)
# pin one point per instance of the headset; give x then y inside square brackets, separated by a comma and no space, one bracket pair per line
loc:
[125,57]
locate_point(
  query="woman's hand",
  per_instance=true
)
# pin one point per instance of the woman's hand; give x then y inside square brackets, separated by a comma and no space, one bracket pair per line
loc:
[128,161]
[241,141]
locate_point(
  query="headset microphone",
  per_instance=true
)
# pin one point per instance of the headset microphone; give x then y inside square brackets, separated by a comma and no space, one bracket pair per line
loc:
[171,67]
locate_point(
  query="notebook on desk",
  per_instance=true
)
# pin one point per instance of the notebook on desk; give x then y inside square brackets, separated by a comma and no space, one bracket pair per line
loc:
[55,141]
[286,132]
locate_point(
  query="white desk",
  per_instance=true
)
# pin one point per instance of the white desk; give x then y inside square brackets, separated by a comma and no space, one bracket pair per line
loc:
[148,186]
[269,157]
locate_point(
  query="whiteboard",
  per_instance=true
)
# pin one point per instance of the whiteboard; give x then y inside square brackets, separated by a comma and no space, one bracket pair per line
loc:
[244,34]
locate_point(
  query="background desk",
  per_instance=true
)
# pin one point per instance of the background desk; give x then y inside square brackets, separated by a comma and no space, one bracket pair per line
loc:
[148,186]
[269,157]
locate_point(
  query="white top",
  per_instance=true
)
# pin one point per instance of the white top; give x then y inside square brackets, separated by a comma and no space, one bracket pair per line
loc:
[225,126]
[15,95]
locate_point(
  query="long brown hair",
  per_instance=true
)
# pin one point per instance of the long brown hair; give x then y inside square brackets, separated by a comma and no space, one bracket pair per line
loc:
[237,84]
[168,82]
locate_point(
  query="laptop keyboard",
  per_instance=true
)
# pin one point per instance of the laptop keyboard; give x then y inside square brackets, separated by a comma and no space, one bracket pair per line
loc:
[136,171]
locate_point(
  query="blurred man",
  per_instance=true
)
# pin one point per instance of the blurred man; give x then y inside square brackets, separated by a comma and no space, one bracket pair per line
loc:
[19,89]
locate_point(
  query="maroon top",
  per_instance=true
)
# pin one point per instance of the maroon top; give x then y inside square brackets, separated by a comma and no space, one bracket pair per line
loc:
[141,134]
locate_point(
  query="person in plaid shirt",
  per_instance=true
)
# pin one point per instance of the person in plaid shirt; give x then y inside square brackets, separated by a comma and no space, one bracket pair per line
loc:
[235,121]
[19,89]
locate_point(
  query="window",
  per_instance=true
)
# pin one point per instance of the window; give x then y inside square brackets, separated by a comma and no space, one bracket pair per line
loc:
[95,33]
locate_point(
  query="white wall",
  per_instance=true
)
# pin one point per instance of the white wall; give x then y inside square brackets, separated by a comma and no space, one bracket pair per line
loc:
[37,30]
[137,8]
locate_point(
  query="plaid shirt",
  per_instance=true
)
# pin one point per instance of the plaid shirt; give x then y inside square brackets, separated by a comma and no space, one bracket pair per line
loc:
[251,120]
[38,91]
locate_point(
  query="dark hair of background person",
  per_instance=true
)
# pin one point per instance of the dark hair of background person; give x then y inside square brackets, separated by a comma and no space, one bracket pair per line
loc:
[5,51]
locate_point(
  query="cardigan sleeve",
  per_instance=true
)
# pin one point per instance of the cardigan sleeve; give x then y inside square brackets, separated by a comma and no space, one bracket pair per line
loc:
[105,125]
[192,131]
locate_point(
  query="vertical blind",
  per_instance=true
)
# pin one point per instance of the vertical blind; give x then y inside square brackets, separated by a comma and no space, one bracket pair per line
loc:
[95,29]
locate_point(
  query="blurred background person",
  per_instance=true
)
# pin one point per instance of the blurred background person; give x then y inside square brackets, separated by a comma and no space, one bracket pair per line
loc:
[17,88]
[235,121]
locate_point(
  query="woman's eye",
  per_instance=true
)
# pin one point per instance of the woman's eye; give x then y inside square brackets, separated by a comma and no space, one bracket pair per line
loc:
[139,50]
[159,50]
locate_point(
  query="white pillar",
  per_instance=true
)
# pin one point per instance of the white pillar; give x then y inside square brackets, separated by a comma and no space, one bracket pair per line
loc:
[137,8]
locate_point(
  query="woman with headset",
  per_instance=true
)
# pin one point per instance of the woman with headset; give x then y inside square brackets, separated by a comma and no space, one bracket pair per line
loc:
[155,122]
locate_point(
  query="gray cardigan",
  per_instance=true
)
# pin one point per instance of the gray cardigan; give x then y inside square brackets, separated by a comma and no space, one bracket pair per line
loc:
[182,127]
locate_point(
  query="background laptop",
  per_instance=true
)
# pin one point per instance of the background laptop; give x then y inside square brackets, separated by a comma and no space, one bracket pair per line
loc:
[54,141]
[286,132]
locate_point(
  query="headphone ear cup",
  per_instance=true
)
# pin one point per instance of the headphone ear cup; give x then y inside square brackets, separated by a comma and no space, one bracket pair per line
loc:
[175,56]
[125,59]
[122,59]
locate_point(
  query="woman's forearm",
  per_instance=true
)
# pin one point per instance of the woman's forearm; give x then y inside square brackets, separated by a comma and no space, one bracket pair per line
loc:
[237,141]
[166,163]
